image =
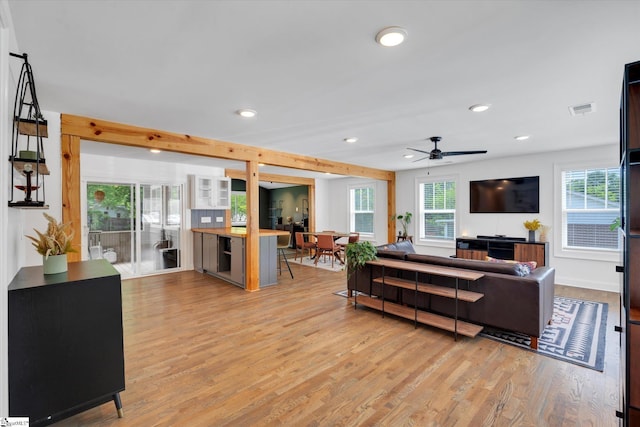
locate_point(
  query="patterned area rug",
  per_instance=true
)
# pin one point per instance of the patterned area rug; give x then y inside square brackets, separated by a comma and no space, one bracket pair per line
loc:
[577,333]
[323,264]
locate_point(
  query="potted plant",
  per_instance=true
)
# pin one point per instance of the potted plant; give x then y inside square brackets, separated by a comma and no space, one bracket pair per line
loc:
[405,220]
[357,254]
[53,245]
[532,226]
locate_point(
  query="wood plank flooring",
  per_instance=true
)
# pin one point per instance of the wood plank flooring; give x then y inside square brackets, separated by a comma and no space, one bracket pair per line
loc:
[201,352]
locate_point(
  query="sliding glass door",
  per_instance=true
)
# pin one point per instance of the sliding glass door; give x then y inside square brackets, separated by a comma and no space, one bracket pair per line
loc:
[136,244]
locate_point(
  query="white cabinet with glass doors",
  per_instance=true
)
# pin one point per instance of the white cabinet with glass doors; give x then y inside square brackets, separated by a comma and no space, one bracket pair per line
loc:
[210,192]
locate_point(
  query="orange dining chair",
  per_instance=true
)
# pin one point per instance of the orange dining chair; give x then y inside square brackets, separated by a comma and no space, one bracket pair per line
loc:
[326,246]
[301,245]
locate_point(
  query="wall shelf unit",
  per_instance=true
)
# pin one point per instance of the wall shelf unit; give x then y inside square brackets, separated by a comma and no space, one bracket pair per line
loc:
[630,234]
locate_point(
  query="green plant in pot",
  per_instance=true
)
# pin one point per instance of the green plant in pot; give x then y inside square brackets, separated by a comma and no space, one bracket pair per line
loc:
[357,255]
[405,220]
[53,245]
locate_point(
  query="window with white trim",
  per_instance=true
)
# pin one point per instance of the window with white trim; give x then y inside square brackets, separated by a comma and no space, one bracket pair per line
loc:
[437,206]
[590,204]
[361,210]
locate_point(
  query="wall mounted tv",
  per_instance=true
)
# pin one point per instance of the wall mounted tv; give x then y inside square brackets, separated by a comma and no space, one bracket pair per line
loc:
[509,195]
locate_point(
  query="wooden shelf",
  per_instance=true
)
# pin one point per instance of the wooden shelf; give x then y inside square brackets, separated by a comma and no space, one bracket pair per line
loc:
[426,318]
[443,291]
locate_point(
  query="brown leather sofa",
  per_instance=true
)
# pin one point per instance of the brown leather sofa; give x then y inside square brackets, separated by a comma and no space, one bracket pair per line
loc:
[511,302]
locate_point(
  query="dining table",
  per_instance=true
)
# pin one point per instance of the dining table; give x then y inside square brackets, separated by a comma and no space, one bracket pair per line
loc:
[336,235]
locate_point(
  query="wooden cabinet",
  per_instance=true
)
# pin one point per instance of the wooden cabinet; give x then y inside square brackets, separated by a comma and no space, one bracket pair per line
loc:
[210,192]
[472,254]
[197,251]
[630,220]
[509,248]
[66,351]
[209,253]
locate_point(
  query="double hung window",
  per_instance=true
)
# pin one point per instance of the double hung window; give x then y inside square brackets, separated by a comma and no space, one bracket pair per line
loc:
[590,204]
[362,204]
[437,220]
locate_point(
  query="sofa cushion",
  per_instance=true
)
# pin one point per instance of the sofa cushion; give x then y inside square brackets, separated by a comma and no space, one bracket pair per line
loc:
[531,264]
[388,253]
[471,264]
[403,245]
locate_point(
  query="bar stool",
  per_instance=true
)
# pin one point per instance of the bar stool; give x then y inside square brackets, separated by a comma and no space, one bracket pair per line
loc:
[283,243]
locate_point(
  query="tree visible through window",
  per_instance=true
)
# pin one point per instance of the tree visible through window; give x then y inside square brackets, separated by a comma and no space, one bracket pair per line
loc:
[437,210]
[238,208]
[590,203]
[362,206]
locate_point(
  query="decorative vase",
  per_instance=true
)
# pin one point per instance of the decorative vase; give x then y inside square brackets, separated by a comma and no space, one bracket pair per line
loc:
[532,235]
[54,264]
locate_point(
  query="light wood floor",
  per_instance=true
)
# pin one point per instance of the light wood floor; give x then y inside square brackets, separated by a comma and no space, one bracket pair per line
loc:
[200,352]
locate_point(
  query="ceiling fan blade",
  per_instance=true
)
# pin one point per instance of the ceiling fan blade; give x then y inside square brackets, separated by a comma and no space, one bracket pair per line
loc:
[419,160]
[419,151]
[460,153]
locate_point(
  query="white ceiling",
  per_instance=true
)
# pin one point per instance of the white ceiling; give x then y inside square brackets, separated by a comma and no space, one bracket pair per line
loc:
[315,75]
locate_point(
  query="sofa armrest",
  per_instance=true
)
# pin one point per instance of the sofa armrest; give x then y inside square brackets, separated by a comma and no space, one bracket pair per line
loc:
[546,277]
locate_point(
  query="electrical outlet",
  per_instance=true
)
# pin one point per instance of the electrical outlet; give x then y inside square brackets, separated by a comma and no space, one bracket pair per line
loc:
[205,220]
[219,219]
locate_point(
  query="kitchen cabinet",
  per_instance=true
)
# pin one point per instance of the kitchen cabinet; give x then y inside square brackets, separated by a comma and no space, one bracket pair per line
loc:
[209,192]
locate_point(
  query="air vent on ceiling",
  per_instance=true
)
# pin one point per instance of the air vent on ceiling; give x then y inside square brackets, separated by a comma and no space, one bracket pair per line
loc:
[582,109]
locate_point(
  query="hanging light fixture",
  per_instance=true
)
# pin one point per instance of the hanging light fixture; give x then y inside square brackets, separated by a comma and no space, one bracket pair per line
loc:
[28,165]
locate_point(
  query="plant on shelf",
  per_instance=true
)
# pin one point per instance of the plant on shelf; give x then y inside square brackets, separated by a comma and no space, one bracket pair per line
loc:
[56,240]
[357,255]
[405,220]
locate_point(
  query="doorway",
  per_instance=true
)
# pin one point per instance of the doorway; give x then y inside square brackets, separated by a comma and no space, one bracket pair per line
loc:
[135,244]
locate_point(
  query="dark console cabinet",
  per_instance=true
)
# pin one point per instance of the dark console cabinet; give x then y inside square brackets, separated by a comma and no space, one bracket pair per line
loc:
[65,341]
[508,248]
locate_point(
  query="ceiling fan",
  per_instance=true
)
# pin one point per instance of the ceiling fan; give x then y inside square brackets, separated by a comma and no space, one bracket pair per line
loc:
[437,154]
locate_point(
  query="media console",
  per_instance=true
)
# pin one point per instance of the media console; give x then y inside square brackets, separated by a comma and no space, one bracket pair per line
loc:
[502,247]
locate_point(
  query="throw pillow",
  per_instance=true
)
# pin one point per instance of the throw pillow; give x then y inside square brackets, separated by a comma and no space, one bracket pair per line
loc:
[531,265]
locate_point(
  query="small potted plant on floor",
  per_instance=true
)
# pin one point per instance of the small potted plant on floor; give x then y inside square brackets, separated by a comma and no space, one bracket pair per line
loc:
[53,245]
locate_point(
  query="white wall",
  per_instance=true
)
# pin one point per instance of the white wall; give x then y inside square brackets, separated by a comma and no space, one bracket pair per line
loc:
[589,273]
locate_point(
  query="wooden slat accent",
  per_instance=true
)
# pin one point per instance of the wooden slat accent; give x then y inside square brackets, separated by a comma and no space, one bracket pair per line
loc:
[472,254]
[71,209]
[443,291]
[391,208]
[529,252]
[459,273]
[426,318]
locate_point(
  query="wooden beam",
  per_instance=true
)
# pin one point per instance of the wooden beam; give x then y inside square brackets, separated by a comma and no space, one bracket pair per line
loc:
[134,136]
[271,177]
[252,240]
[71,209]
[391,208]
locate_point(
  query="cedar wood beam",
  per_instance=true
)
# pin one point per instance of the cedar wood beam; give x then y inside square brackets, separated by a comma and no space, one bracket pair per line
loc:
[74,128]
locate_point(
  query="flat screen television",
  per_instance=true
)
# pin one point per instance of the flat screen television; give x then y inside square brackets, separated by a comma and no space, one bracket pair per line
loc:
[509,195]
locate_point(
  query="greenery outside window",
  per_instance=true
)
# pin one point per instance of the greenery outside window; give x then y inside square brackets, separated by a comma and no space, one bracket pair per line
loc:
[238,208]
[437,210]
[590,204]
[361,210]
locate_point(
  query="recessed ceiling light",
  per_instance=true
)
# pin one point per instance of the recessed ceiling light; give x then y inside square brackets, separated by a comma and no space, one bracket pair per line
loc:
[351,139]
[155,150]
[391,36]
[246,113]
[522,137]
[408,156]
[260,164]
[327,173]
[478,108]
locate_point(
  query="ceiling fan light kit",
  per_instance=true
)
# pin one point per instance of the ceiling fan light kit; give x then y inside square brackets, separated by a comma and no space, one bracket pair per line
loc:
[391,36]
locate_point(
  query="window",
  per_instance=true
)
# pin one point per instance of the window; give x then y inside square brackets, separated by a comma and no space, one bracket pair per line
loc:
[590,203]
[437,208]
[361,209]
[238,208]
